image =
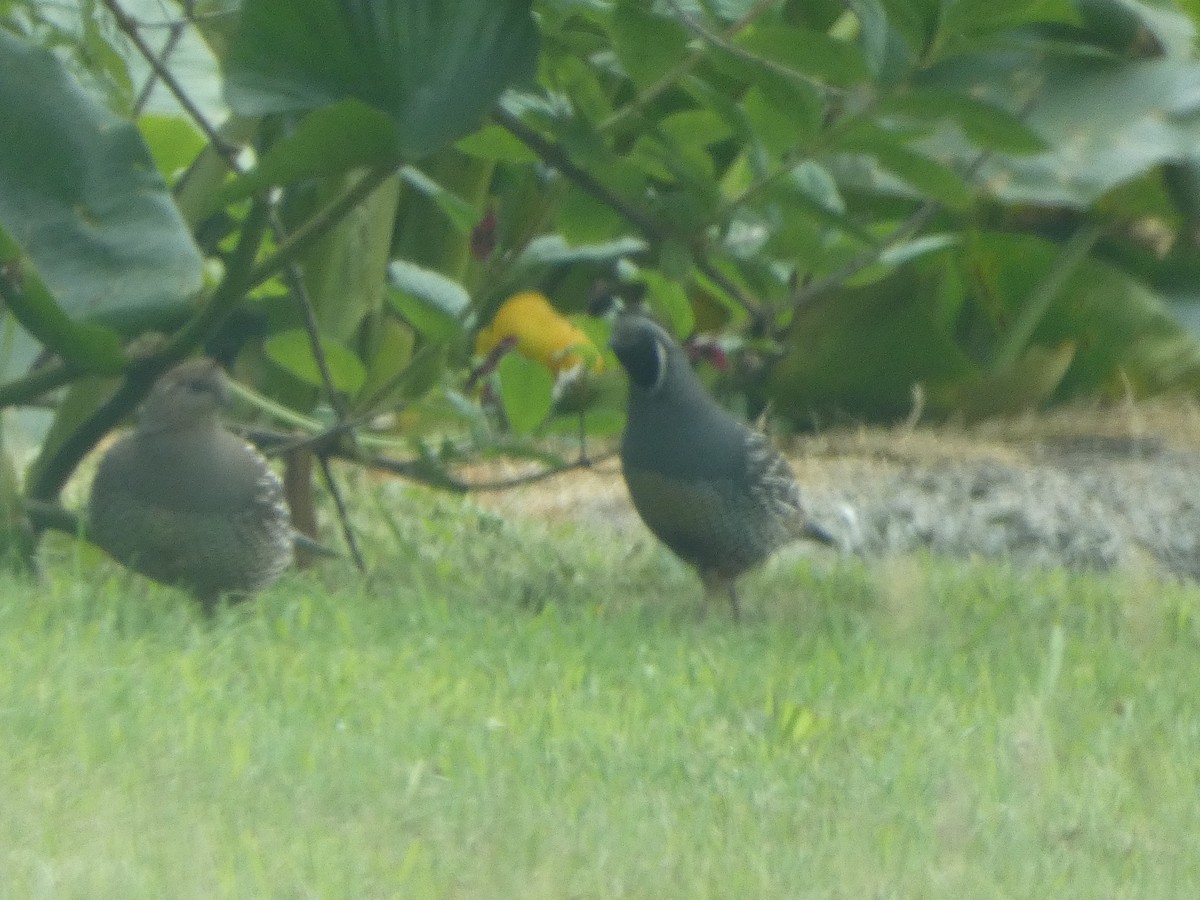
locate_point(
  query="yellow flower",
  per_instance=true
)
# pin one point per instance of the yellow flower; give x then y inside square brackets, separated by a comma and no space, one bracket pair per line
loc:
[542,334]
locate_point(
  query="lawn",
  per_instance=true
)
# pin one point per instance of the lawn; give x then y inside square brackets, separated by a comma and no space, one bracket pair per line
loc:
[524,711]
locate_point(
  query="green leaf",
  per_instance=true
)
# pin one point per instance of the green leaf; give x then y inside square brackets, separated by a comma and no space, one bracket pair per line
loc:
[432,303]
[779,127]
[901,253]
[1105,122]
[526,390]
[991,127]
[809,54]
[585,220]
[933,179]
[292,351]
[346,269]
[462,215]
[329,141]
[434,67]
[875,35]
[1024,386]
[863,354]
[667,161]
[647,45]
[174,142]
[1137,29]
[425,370]
[553,249]
[81,194]
[695,128]
[494,142]
[669,301]
[391,351]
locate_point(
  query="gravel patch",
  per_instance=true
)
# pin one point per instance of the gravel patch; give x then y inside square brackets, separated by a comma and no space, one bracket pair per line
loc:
[1092,491]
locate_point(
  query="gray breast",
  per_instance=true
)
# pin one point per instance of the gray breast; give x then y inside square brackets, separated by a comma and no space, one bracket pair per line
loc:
[211,520]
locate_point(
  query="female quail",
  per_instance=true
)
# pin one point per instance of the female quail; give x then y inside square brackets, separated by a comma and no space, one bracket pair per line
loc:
[710,487]
[185,502]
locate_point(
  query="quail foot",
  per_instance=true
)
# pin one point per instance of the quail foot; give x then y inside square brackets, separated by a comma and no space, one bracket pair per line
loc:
[707,485]
[185,502]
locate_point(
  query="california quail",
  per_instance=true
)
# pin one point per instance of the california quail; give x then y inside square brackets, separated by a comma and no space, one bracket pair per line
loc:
[185,502]
[710,487]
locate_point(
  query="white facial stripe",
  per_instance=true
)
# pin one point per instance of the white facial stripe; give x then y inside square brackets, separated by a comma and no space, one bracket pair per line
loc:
[660,365]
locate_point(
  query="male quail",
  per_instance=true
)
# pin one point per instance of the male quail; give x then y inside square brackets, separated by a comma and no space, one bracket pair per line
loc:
[185,502]
[710,487]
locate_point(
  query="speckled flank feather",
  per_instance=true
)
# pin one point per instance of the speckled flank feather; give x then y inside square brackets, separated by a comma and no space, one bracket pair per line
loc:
[774,484]
[183,501]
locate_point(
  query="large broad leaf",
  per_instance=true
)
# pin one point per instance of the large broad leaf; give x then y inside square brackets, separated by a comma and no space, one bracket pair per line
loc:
[434,66]
[863,354]
[1106,121]
[81,195]
[1126,338]
[345,270]
[293,351]
[647,45]
[332,140]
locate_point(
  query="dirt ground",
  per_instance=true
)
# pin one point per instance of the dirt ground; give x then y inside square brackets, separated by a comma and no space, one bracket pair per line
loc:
[1096,489]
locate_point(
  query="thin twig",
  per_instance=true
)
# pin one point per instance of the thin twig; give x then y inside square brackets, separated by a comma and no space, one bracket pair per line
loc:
[722,42]
[302,239]
[654,231]
[343,513]
[679,70]
[299,291]
[173,38]
[130,28]
[809,293]
[555,156]
[418,470]
[504,484]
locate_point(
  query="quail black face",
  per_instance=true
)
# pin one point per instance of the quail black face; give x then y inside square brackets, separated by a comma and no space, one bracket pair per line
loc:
[640,346]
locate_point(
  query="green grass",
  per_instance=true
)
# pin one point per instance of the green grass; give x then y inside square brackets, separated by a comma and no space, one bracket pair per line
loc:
[507,711]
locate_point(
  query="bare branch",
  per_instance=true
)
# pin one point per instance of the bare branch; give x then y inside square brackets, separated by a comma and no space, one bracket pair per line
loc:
[129,27]
[173,38]
[418,470]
